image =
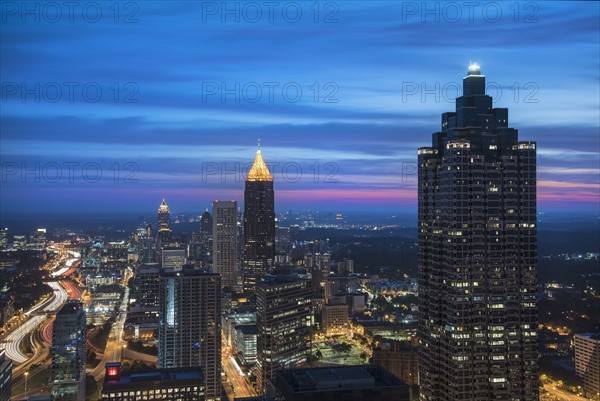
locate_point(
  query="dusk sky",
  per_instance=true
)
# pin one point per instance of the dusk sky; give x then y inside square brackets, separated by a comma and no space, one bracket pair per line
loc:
[162,115]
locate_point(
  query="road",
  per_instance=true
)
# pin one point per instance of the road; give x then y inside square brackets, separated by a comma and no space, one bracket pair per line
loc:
[556,394]
[115,343]
[235,377]
[139,356]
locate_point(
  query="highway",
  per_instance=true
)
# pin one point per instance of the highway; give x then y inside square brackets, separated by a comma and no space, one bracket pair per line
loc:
[13,340]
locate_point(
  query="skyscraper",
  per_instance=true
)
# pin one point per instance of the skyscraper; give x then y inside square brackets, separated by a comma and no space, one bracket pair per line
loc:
[3,238]
[225,232]
[68,353]
[283,319]
[587,361]
[259,224]
[477,256]
[164,232]
[190,325]
[5,376]
[173,259]
[206,232]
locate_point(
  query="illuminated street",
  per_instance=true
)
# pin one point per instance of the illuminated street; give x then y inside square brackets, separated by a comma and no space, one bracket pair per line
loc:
[115,343]
[235,377]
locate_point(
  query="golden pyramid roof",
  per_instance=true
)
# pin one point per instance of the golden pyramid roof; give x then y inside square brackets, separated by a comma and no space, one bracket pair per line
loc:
[163,205]
[259,170]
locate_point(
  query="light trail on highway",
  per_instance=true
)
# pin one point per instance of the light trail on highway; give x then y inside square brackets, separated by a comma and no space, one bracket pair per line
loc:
[12,343]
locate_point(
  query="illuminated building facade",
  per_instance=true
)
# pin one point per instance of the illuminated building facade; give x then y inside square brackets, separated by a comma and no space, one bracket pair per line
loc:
[587,361]
[259,224]
[67,380]
[174,384]
[225,234]
[477,256]
[189,333]
[283,319]
[173,259]
[164,215]
[335,319]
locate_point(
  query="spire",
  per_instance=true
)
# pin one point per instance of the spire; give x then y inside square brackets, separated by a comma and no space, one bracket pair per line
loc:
[259,170]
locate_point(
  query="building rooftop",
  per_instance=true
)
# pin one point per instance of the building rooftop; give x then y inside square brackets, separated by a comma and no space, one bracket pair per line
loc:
[259,170]
[591,336]
[337,378]
[115,378]
[71,307]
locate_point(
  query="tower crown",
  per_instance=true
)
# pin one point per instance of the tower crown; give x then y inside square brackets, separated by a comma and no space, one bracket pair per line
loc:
[259,170]
[163,206]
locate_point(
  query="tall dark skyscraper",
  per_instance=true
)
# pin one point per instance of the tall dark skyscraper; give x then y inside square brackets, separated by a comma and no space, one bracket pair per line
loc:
[259,224]
[68,353]
[164,232]
[283,319]
[189,331]
[477,256]
[225,233]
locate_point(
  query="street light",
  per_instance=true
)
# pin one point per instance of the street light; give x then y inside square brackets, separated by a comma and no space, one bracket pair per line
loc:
[26,374]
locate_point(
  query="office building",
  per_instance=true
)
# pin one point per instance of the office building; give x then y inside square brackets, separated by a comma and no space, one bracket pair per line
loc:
[67,380]
[164,216]
[5,376]
[246,339]
[283,319]
[175,384]
[477,256]
[587,362]
[225,234]
[189,332]
[146,287]
[3,239]
[259,224]
[173,259]
[339,383]
[334,319]
[400,358]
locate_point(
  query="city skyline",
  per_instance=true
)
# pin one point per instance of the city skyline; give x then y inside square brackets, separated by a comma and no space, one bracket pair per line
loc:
[361,132]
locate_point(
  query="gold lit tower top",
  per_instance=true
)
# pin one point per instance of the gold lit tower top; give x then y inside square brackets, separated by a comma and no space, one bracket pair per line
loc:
[259,170]
[163,206]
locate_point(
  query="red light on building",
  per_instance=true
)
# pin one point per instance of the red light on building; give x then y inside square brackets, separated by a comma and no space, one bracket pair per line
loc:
[113,371]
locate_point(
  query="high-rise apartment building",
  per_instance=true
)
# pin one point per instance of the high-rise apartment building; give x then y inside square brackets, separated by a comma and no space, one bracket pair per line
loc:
[587,362]
[283,319]
[190,325]
[259,224]
[225,234]
[69,353]
[477,256]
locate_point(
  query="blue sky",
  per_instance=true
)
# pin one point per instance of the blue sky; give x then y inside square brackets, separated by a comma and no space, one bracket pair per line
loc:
[115,110]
